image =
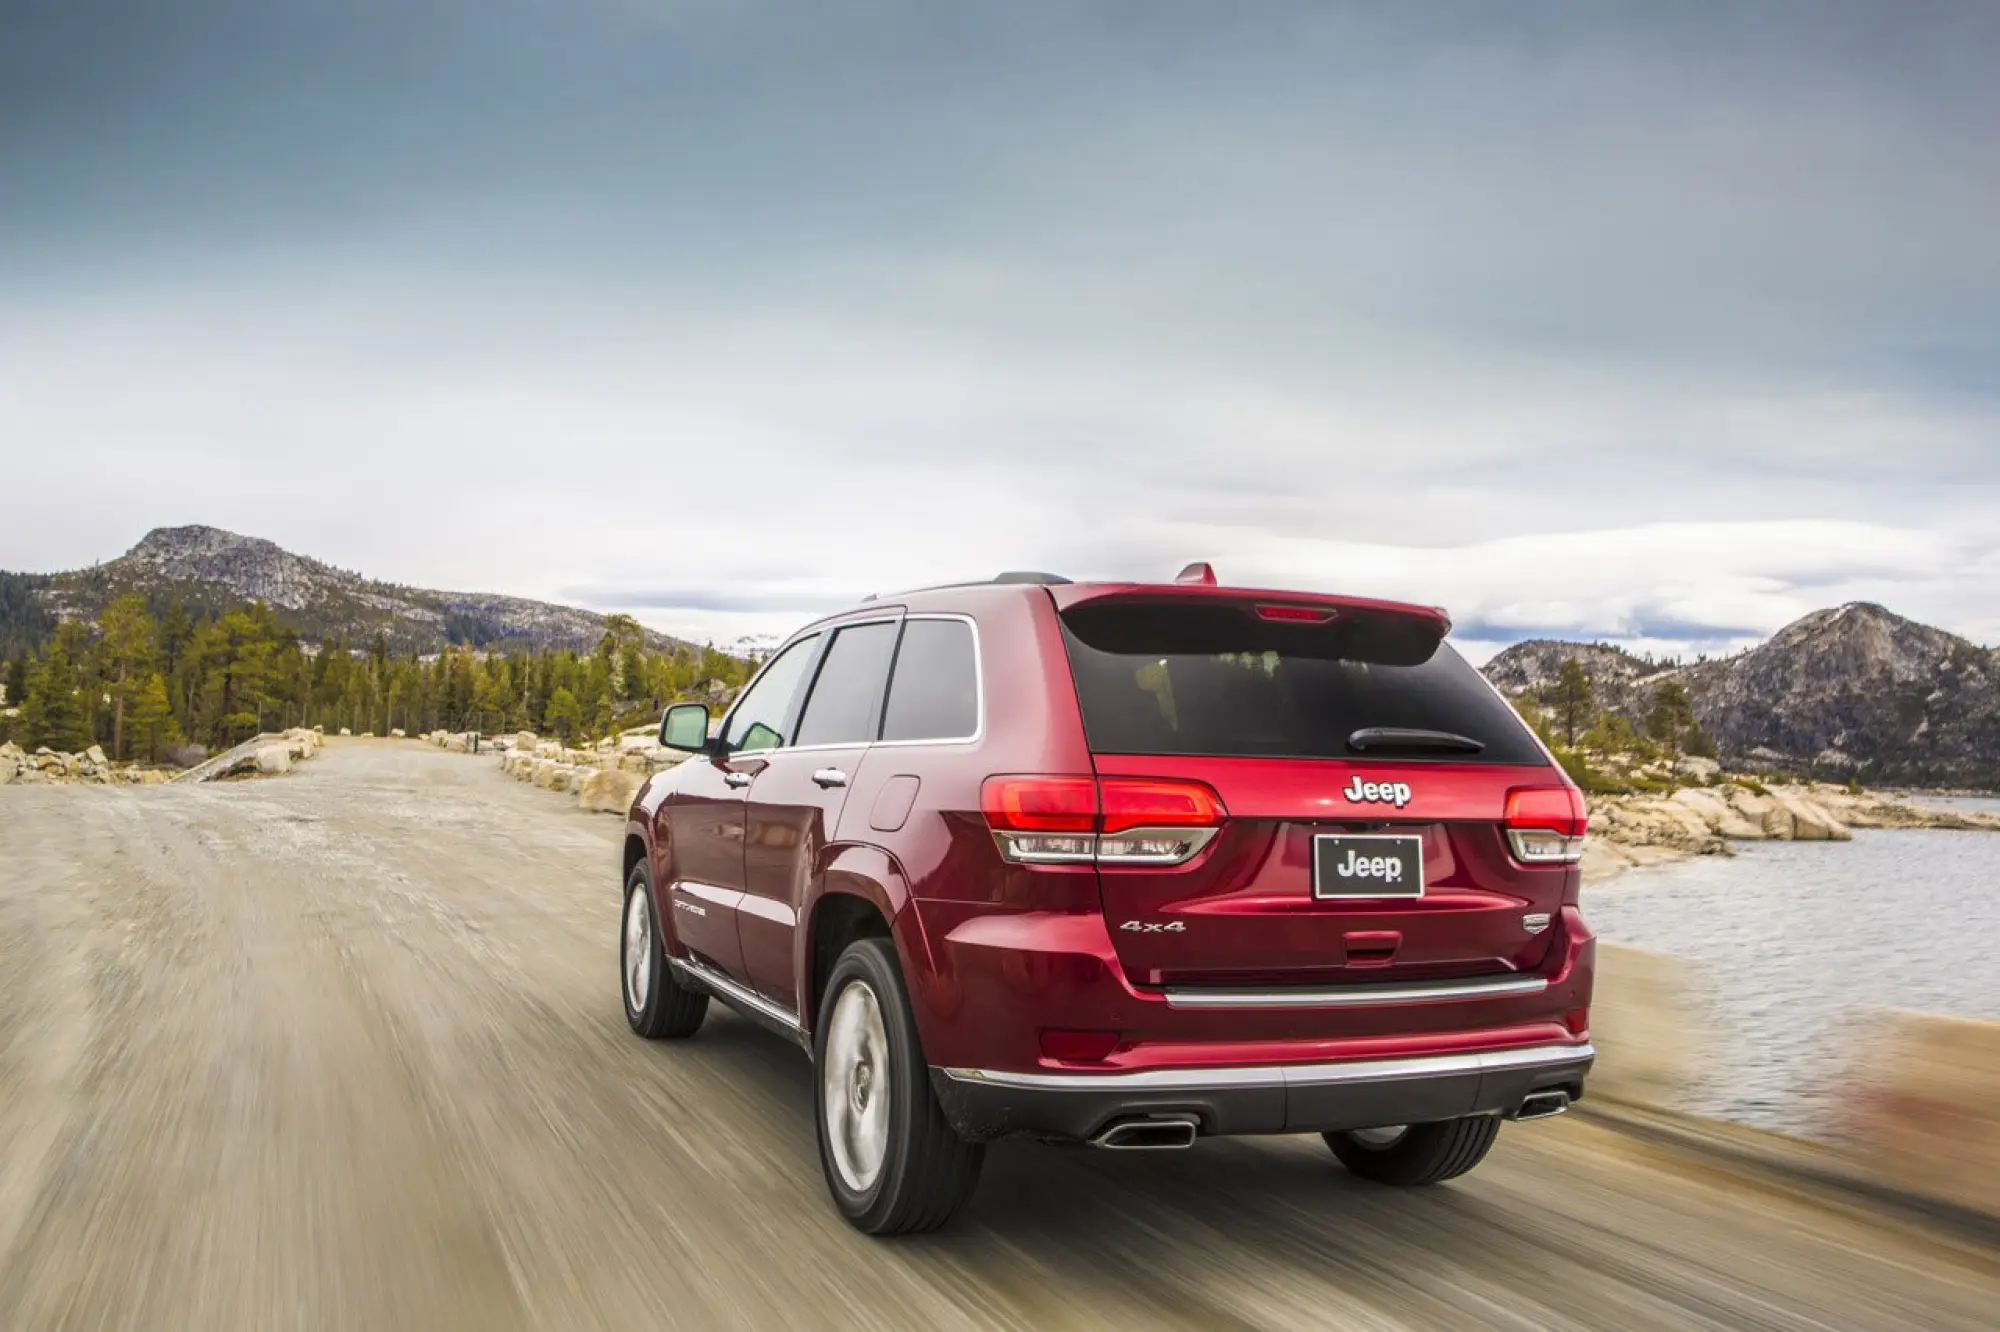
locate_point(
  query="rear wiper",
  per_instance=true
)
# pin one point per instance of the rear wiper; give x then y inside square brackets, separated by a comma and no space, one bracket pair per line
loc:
[1399,737]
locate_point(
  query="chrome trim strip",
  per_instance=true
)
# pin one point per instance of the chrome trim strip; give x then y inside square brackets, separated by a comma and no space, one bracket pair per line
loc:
[1360,996]
[736,996]
[1283,1075]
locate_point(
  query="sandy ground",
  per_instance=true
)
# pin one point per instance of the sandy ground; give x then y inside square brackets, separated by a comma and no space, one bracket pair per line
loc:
[344,1050]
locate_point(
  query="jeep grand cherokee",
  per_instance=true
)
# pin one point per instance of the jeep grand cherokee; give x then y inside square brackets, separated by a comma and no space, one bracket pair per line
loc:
[1122,864]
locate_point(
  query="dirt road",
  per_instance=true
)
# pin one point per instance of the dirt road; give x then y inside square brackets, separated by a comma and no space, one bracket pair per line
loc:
[344,1050]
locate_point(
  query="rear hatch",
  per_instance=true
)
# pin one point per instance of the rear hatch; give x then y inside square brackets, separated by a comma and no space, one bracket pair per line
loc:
[1364,772]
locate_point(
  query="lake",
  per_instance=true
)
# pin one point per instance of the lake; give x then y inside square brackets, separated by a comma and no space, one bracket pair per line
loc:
[1795,939]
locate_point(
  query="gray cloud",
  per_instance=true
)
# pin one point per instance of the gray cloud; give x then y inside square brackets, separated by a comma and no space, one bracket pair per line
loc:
[739,306]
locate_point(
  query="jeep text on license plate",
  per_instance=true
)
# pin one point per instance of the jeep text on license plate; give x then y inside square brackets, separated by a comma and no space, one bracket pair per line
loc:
[1367,865]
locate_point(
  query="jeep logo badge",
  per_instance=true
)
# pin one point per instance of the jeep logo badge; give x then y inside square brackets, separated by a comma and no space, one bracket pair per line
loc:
[1378,793]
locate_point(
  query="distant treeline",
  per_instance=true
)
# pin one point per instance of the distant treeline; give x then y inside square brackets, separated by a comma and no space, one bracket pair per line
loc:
[24,625]
[144,684]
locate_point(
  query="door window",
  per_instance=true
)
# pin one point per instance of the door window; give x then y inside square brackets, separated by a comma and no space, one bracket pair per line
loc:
[935,695]
[760,716]
[846,700]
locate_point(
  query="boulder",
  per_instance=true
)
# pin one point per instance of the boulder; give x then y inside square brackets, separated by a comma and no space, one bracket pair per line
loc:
[274,759]
[398,733]
[544,773]
[345,731]
[1716,811]
[547,749]
[525,740]
[96,755]
[576,777]
[609,791]
[1811,822]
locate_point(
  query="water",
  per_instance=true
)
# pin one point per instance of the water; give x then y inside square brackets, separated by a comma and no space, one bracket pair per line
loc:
[1795,941]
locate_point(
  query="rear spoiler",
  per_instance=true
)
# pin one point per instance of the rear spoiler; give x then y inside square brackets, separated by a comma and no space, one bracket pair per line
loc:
[1146,618]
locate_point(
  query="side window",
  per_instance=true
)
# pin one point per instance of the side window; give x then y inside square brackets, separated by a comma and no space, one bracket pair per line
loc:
[846,699]
[935,694]
[759,719]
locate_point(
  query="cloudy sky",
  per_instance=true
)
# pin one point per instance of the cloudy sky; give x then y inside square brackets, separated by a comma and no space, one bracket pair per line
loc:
[1659,323]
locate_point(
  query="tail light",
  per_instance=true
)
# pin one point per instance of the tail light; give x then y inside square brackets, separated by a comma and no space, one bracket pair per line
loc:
[1545,824]
[1112,821]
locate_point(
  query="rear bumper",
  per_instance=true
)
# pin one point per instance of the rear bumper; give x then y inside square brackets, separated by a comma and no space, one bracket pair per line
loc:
[985,1104]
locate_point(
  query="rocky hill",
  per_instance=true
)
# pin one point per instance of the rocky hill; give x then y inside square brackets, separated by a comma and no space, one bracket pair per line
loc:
[1618,680]
[1852,691]
[210,570]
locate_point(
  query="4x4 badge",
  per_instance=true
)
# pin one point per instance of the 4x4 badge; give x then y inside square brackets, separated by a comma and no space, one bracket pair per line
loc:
[1382,793]
[1155,926]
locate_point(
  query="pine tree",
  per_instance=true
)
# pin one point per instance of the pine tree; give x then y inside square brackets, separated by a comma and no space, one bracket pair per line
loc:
[1570,697]
[53,712]
[150,718]
[563,715]
[16,681]
[125,657]
[1672,716]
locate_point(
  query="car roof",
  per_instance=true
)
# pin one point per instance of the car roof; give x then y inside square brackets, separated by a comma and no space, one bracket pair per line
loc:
[1066,593]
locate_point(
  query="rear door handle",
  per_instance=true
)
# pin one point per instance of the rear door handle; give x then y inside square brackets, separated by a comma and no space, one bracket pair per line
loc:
[830,777]
[737,780]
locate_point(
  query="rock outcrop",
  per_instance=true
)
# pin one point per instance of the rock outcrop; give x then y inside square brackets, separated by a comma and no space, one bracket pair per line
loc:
[604,778]
[1629,831]
[1852,691]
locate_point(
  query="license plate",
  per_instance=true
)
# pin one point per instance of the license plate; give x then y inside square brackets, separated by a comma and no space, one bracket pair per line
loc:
[1367,865]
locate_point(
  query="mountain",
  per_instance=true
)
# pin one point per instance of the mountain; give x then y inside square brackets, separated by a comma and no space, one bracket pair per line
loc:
[210,570]
[1852,691]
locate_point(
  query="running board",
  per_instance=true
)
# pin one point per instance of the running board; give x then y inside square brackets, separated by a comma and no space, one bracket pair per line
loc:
[764,1012]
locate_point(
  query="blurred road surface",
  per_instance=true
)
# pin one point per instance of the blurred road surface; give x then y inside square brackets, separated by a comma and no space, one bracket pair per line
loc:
[344,1050]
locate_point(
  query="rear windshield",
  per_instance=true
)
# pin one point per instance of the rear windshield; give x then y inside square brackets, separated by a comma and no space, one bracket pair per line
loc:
[1267,692]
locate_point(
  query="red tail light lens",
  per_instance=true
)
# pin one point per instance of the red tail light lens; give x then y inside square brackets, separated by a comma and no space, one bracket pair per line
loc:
[1040,804]
[1295,614]
[1545,824]
[1120,820]
[1143,803]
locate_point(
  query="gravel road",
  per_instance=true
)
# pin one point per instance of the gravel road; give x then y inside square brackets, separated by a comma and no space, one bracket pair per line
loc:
[344,1050]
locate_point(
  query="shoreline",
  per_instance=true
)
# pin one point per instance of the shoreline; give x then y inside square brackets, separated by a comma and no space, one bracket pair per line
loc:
[1644,832]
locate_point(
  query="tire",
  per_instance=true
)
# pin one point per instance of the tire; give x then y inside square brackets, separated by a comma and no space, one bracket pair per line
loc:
[657,1005]
[1422,1154]
[880,1110]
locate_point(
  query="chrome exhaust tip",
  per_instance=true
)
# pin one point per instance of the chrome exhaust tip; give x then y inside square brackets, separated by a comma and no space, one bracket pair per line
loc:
[1163,1134]
[1542,1104]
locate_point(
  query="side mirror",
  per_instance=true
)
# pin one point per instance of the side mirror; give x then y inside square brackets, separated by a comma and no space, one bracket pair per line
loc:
[685,726]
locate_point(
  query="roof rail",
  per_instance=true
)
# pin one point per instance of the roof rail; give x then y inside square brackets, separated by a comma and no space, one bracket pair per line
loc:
[1011,576]
[1028,576]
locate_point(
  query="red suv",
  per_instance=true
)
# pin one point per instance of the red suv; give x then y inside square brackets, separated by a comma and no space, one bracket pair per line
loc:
[1122,864]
